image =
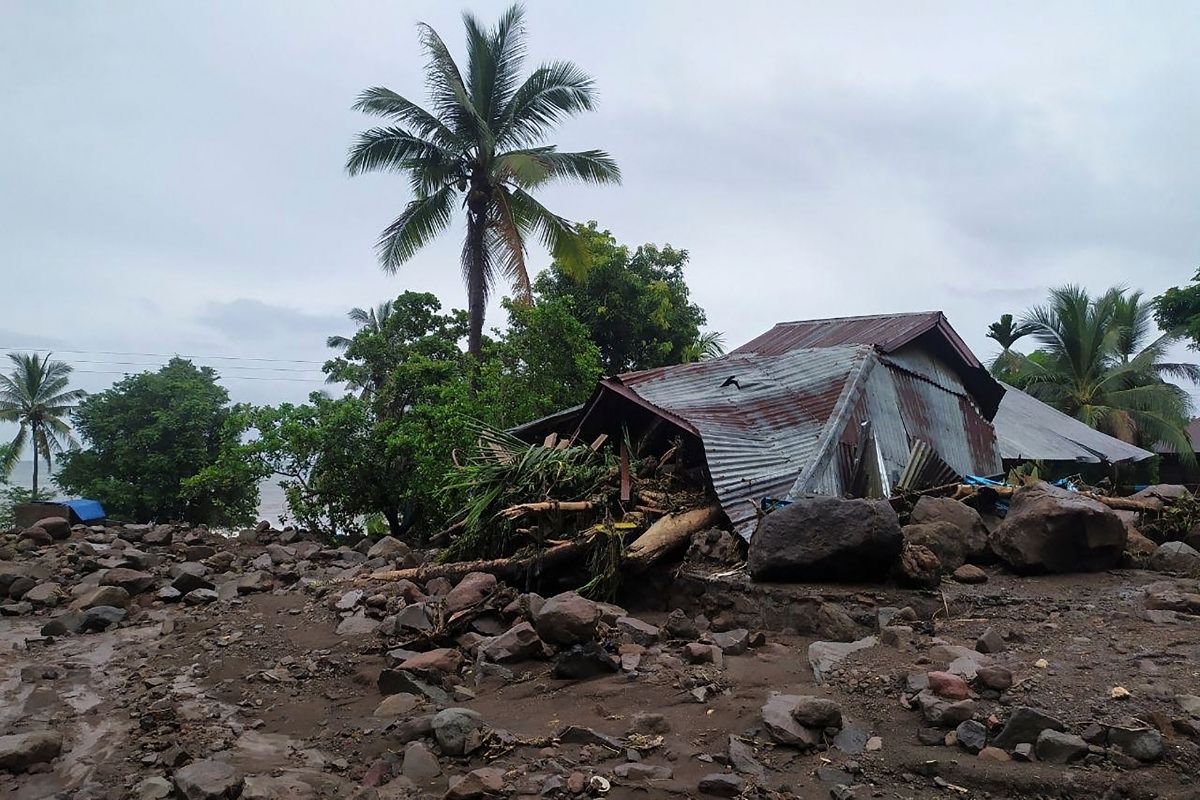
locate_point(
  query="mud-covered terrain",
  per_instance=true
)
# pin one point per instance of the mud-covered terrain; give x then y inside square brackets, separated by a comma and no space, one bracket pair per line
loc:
[165,662]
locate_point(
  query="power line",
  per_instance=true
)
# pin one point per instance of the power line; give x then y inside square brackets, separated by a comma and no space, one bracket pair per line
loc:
[159,363]
[163,355]
[299,380]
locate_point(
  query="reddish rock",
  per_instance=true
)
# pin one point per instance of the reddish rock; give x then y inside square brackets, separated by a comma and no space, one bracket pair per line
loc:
[469,591]
[949,686]
[445,660]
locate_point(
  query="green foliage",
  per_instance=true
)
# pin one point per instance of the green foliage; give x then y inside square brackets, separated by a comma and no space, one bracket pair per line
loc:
[1178,310]
[12,496]
[543,363]
[1175,521]
[634,305]
[1095,363]
[154,442]
[36,398]
[504,471]
[1006,332]
[481,147]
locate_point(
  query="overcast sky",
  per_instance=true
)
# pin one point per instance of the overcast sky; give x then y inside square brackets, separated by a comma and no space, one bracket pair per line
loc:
[172,173]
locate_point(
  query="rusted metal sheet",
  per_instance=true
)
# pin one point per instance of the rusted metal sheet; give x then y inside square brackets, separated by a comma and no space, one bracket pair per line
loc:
[928,333]
[761,419]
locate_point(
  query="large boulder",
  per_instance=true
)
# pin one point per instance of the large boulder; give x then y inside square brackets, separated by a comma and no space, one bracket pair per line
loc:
[472,589]
[1176,557]
[944,539]
[208,779]
[972,533]
[567,618]
[58,527]
[1049,529]
[19,751]
[826,539]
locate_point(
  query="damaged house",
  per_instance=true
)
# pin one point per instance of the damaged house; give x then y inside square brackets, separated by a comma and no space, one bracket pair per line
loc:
[864,406]
[868,406]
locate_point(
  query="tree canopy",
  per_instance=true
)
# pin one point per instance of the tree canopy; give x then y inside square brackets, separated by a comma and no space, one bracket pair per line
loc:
[1178,310]
[152,441]
[634,304]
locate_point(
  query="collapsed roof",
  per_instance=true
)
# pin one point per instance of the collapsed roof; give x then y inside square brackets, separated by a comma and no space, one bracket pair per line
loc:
[776,418]
[859,406]
[1030,430]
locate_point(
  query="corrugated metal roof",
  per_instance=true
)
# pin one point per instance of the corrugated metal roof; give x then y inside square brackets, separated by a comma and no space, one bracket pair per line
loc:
[760,429]
[890,333]
[1029,430]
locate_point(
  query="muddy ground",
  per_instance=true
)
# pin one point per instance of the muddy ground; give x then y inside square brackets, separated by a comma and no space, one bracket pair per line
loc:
[264,682]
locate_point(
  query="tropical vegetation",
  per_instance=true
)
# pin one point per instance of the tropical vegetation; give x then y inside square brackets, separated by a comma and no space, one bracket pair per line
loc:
[1099,360]
[481,145]
[35,397]
[152,440]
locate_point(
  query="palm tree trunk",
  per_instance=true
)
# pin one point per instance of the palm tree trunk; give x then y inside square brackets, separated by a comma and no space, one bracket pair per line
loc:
[476,267]
[34,438]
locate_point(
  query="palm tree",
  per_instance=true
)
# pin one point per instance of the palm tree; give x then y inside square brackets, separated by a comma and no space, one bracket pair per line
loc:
[707,346]
[1006,333]
[481,146]
[373,320]
[35,396]
[1095,364]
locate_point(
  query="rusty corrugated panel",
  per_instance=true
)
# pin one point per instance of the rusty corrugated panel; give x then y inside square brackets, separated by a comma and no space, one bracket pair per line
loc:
[928,333]
[886,331]
[761,419]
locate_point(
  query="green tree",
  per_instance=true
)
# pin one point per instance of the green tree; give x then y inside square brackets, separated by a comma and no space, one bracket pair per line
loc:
[482,146]
[417,345]
[708,345]
[1006,332]
[543,362]
[1177,310]
[153,439]
[635,305]
[36,398]
[1095,363]
[373,319]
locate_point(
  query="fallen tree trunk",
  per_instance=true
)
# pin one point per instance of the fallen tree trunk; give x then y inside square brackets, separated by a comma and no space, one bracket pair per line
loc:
[1116,503]
[548,505]
[667,535]
[506,568]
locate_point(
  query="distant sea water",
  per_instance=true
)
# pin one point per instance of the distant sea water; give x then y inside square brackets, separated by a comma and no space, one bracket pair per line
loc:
[271,502]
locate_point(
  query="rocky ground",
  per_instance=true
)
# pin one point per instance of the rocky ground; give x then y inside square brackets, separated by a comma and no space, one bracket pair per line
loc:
[160,661]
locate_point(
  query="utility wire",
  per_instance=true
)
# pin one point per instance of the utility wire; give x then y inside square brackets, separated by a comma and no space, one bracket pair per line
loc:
[163,355]
[223,377]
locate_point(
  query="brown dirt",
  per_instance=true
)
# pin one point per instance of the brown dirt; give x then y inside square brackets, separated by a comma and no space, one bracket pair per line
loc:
[269,685]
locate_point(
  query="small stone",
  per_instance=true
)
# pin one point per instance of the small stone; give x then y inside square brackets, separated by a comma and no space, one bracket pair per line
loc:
[1025,725]
[948,686]
[420,765]
[971,735]
[994,754]
[969,573]
[396,705]
[1056,747]
[874,744]
[482,782]
[994,677]
[208,779]
[990,642]
[721,784]
[1144,744]
[1023,752]
[817,712]
[457,730]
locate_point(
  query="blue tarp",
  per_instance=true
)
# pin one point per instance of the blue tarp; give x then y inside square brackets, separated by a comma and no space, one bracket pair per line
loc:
[86,510]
